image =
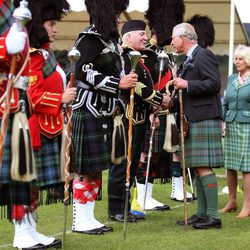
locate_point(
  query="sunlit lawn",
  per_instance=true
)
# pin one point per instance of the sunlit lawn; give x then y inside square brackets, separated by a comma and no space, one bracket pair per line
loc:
[158,231]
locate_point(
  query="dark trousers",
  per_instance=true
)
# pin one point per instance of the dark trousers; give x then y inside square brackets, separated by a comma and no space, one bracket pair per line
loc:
[117,174]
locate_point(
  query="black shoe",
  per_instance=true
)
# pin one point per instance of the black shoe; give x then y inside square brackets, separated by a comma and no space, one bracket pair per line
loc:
[209,222]
[120,218]
[106,229]
[55,244]
[95,231]
[36,247]
[193,219]
[188,199]
[161,208]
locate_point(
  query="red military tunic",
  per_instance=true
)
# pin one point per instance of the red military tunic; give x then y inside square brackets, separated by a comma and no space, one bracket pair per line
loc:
[47,82]
[5,62]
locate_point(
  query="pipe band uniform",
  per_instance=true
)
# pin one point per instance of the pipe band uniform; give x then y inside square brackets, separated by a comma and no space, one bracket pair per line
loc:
[46,95]
[100,78]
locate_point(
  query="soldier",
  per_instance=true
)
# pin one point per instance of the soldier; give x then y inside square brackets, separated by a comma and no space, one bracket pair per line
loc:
[16,170]
[134,38]
[47,93]
[161,160]
[100,78]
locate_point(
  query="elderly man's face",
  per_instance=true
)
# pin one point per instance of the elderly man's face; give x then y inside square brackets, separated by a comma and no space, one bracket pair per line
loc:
[137,39]
[177,42]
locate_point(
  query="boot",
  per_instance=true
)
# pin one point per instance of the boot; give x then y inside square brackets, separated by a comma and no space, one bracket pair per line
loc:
[47,241]
[158,205]
[24,237]
[90,206]
[81,221]
[150,203]
[177,189]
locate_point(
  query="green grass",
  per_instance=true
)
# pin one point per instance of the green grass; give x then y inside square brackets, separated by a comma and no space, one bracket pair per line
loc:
[158,231]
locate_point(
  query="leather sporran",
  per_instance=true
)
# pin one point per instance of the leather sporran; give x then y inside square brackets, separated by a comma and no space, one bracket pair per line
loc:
[171,141]
[119,144]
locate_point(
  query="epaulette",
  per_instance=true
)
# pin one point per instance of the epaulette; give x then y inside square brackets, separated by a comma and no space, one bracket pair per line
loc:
[31,50]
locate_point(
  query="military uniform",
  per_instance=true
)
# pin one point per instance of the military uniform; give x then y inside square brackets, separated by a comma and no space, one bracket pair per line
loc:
[145,98]
[12,192]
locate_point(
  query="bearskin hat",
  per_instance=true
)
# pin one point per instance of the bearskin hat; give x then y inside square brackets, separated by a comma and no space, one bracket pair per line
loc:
[204,29]
[43,11]
[121,5]
[102,15]
[162,16]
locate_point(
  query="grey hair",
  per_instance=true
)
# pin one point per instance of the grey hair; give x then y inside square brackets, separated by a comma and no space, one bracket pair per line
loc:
[243,51]
[186,30]
[124,37]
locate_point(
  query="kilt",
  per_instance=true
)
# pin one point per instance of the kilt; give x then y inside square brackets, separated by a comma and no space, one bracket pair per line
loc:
[92,151]
[203,146]
[11,192]
[47,161]
[6,160]
[15,193]
[237,146]
[158,137]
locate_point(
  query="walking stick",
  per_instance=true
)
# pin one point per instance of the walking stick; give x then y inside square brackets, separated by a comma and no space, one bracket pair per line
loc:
[73,56]
[134,57]
[162,57]
[183,160]
[21,15]
[186,66]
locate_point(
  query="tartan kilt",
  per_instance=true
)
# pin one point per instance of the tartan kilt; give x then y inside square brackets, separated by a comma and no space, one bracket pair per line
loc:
[6,160]
[11,192]
[15,193]
[158,137]
[92,152]
[47,161]
[237,146]
[203,146]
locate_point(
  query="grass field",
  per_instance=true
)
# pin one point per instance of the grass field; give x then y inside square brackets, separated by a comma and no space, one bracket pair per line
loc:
[158,231]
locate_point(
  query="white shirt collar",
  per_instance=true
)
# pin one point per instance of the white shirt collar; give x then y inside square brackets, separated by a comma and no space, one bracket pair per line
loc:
[189,53]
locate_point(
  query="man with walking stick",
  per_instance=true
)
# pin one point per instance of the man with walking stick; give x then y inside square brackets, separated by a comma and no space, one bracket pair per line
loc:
[99,78]
[201,85]
[134,39]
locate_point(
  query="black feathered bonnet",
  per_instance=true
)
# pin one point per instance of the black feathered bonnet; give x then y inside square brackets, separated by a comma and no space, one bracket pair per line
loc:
[204,29]
[102,15]
[162,16]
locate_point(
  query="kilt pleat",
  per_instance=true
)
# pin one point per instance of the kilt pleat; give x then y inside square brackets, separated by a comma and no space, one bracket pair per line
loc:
[15,193]
[237,146]
[204,144]
[47,161]
[6,160]
[92,142]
